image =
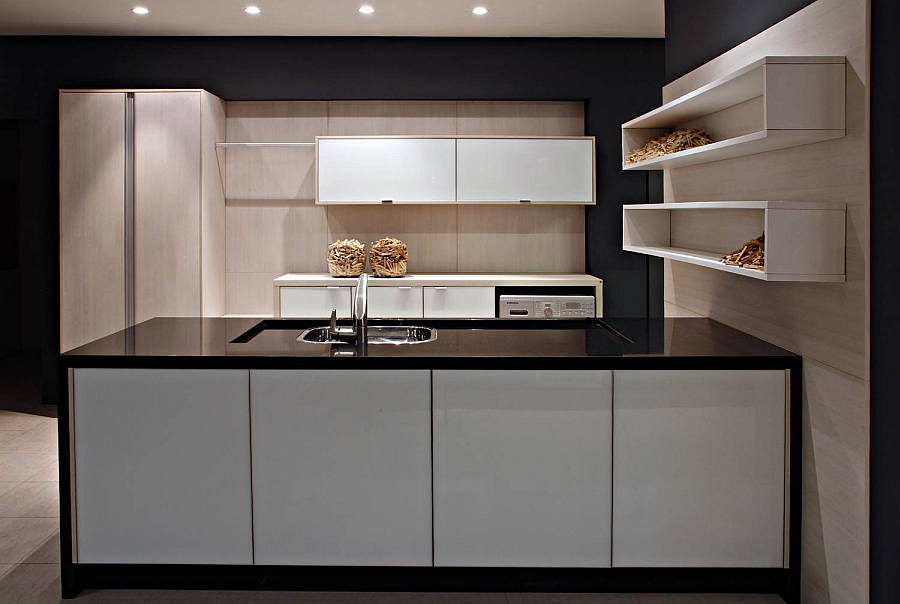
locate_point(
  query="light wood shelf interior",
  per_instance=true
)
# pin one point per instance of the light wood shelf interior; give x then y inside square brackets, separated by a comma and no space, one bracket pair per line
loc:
[805,241]
[773,103]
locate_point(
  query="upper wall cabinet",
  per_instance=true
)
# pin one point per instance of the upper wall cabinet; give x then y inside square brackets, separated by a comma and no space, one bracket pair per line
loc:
[773,103]
[376,170]
[512,170]
[455,170]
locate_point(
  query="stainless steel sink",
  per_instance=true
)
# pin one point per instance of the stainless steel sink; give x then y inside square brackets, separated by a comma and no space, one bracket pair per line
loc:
[378,334]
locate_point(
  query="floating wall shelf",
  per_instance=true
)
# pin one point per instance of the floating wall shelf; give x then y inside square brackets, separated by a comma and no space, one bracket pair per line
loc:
[804,240]
[773,103]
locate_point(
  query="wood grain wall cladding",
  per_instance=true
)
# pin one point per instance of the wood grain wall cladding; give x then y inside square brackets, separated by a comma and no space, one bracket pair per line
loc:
[273,226]
[828,323]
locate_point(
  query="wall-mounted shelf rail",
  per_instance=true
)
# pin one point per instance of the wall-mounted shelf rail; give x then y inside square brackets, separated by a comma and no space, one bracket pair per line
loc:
[805,241]
[773,103]
[246,145]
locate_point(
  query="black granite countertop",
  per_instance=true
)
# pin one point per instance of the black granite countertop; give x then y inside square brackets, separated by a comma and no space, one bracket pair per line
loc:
[461,344]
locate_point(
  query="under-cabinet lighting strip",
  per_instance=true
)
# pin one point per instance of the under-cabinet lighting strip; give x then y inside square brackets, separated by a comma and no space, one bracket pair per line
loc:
[265,144]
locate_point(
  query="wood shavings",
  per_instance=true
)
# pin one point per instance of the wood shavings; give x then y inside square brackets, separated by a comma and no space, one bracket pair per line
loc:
[346,258]
[388,257]
[668,143]
[751,255]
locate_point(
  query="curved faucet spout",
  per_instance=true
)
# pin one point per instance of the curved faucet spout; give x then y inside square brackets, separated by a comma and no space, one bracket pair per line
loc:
[360,312]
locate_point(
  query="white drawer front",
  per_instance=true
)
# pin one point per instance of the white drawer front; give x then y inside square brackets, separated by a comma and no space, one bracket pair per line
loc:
[402,302]
[459,302]
[315,302]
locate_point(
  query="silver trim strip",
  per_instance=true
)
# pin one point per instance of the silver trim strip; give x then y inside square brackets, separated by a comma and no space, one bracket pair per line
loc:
[129,219]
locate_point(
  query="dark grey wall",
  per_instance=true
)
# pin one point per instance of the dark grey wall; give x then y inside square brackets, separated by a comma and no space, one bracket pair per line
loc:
[618,78]
[885,387]
[700,30]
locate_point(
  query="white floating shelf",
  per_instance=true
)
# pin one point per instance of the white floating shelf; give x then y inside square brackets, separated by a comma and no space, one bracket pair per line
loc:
[804,241]
[220,145]
[784,102]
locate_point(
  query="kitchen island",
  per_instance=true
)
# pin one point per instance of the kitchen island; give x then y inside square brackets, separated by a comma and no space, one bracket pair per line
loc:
[588,455]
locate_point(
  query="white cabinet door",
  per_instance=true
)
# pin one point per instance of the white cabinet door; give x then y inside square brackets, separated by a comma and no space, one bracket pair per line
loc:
[342,467]
[522,463]
[402,302]
[699,468]
[459,302]
[162,466]
[539,170]
[315,302]
[372,170]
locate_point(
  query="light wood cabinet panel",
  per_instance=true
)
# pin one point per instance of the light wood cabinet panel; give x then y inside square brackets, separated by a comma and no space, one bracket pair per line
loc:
[162,461]
[342,467]
[372,170]
[540,170]
[522,468]
[167,204]
[698,472]
[212,210]
[91,216]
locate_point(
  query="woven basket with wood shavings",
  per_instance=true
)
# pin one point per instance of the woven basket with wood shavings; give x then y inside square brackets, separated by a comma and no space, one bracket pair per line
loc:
[673,142]
[751,255]
[346,258]
[388,257]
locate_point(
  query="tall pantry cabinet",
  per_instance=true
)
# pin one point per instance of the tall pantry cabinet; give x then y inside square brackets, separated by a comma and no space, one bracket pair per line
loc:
[142,209]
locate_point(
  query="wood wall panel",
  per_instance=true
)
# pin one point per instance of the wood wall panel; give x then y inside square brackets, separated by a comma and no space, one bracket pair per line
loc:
[521,118]
[212,210]
[167,204]
[522,238]
[290,236]
[828,323]
[276,229]
[279,172]
[92,216]
[376,118]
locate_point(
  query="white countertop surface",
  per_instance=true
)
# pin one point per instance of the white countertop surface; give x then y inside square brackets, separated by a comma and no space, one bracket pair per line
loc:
[440,279]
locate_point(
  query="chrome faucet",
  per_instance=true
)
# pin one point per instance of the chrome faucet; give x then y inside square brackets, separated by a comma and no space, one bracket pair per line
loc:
[361,312]
[359,333]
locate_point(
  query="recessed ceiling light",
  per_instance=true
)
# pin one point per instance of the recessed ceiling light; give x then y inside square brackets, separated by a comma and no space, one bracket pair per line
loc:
[252,10]
[479,10]
[140,10]
[366,10]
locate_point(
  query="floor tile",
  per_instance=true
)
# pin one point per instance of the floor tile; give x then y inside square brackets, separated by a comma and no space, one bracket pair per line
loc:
[46,553]
[31,584]
[21,536]
[11,420]
[31,500]
[48,474]
[8,435]
[20,466]
[6,487]
[39,439]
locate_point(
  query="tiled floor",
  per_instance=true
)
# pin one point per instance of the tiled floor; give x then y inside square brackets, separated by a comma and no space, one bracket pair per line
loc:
[29,545]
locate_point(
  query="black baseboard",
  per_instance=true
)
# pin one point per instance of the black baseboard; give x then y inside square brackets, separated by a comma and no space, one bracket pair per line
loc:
[427,579]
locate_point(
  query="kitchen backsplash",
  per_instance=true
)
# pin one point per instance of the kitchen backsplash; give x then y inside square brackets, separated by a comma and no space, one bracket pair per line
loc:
[274,227]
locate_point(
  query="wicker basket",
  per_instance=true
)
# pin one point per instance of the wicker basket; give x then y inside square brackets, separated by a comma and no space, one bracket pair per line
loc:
[388,257]
[346,258]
